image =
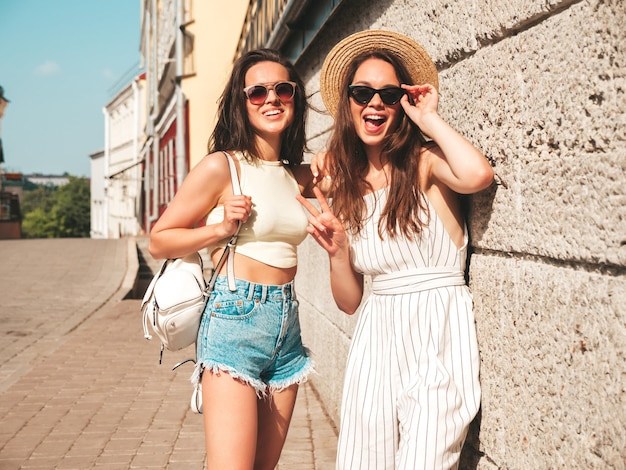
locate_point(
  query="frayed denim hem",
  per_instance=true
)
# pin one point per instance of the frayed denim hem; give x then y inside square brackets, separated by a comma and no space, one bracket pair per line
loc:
[263,390]
[259,387]
[301,377]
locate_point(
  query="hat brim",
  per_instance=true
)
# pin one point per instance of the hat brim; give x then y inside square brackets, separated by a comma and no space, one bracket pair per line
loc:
[336,65]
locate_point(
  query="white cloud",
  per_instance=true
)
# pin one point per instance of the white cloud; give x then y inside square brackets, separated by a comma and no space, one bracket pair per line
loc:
[108,74]
[49,67]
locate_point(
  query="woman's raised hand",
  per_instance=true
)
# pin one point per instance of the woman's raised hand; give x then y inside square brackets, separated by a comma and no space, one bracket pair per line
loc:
[324,227]
[425,101]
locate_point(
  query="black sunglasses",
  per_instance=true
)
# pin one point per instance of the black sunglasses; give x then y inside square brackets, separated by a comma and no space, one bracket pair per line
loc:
[257,94]
[363,94]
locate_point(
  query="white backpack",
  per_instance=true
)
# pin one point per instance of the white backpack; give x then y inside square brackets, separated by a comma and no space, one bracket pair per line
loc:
[174,302]
[177,295]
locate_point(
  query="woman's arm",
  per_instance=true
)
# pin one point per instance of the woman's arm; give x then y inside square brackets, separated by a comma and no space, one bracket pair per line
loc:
[460,165]
[175,234]
[346,284]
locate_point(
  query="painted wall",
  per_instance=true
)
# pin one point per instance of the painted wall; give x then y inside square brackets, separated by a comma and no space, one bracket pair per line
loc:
[216,27]
[539,86]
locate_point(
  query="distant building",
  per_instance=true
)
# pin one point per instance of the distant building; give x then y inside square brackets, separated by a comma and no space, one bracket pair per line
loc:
[122,165]
[98,196]
[10,191]
[13,183]
[10,213]
[48,180]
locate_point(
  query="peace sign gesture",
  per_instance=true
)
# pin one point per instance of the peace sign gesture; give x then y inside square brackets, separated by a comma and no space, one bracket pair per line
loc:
[324,227]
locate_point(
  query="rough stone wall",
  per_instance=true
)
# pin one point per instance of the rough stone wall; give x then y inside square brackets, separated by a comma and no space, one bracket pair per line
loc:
[540,87]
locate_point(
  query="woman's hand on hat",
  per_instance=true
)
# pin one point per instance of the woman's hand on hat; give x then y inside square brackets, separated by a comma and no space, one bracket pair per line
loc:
[425,100]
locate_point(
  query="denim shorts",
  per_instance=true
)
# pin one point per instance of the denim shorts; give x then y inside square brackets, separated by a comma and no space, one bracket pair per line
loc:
[253,334]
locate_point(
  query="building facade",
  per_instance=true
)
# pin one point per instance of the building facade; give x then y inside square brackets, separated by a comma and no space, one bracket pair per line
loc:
[10,215]
[124,126]
[10,198]
[98,215]
[187,47]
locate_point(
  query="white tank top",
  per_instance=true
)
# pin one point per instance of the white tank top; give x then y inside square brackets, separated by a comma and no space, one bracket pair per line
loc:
[277,224]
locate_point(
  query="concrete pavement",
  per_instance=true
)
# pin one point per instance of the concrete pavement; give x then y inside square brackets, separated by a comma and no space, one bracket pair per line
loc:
[79,386]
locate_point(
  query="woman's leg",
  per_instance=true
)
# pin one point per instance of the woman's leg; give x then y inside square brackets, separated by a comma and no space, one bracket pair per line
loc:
[274,417]
[230,421]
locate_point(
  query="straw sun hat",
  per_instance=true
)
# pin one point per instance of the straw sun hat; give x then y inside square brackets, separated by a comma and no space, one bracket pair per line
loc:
[335,67]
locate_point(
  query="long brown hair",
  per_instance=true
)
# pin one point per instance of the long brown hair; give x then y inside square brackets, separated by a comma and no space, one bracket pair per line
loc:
[233,130]
[347,164]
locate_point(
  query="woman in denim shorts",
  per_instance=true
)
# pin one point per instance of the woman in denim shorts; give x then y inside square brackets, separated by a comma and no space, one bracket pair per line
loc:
[250,357]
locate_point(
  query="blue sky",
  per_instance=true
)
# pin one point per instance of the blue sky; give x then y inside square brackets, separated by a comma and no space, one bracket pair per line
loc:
[61,62]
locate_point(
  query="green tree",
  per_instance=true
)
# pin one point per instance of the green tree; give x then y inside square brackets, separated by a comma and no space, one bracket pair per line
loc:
[72,208]
[57,212]
[41,197]
[38,223]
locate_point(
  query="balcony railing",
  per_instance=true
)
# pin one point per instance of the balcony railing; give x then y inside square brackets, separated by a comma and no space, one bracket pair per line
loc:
[286,25]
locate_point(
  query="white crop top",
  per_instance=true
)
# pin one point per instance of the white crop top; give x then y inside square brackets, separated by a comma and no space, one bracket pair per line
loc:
[277,224]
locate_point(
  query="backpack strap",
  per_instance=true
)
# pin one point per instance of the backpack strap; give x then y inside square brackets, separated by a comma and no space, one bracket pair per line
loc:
[230,246]
[233,175]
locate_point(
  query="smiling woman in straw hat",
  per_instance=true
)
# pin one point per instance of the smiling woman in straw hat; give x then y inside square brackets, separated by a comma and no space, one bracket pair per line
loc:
[396,170]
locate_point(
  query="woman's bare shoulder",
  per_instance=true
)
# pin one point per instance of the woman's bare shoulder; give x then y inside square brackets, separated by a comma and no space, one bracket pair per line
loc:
[213,164]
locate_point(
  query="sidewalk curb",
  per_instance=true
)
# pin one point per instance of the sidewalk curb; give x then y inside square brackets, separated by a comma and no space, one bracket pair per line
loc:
[128,287]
